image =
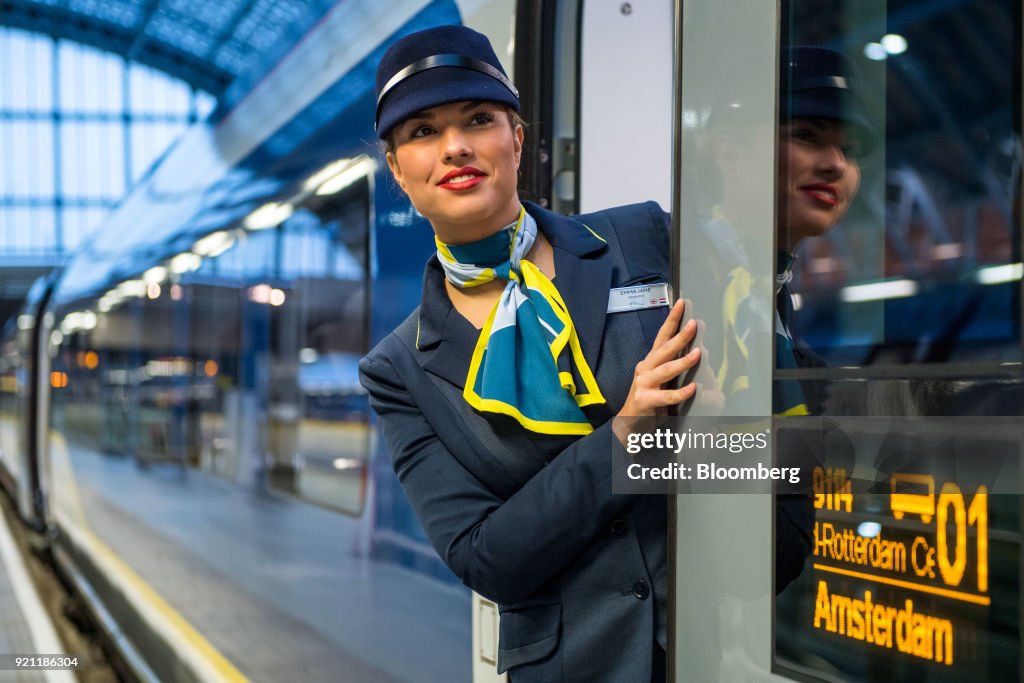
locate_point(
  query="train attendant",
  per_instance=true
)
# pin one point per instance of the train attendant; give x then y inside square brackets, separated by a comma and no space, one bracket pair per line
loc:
[496,396]
[823,134]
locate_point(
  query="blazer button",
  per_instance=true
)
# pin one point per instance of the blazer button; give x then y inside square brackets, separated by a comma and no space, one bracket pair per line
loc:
[641,590]
[619,528]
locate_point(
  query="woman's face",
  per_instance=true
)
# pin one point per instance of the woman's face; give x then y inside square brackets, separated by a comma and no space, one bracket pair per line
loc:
[818,177]
[459,165]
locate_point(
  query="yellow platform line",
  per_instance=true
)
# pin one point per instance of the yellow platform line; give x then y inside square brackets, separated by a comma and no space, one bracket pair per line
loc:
[900,583]
[205,654]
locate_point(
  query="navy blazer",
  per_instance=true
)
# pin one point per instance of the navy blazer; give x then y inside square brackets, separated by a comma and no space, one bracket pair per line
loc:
[530,520]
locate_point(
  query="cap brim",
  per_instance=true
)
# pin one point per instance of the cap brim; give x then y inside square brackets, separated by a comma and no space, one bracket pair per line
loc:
[434,87]
[825,105]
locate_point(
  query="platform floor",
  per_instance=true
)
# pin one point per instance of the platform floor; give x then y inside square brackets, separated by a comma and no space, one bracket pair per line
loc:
[242,568]
[25,627]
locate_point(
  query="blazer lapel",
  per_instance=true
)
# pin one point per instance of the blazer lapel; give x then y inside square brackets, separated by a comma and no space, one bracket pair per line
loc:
[450,360]
[582,277]
[584,284]
[446,338]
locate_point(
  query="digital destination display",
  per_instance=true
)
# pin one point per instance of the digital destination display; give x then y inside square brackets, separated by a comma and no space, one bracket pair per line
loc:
[917,578]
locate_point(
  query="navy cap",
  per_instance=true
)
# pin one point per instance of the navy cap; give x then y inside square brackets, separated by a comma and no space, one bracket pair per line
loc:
[816,82]
[438,66]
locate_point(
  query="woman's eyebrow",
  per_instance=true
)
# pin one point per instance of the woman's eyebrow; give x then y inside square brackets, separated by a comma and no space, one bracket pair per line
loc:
[427,114]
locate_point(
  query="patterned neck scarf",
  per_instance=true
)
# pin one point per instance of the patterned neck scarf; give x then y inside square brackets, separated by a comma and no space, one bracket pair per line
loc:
[528,363]
[741,315]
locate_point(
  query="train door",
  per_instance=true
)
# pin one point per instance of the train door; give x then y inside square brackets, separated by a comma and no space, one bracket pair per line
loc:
[724,112]
[596,82]
[909,308]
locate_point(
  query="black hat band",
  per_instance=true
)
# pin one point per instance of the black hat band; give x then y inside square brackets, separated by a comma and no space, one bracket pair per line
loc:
[435,61]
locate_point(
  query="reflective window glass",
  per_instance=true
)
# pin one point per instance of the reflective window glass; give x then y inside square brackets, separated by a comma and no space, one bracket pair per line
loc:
[898,338]
[90,80]
[92,159]
[319,412]
[252,257]
[26,61]
[306,246]
[924,265]
[30,168]
[85,125]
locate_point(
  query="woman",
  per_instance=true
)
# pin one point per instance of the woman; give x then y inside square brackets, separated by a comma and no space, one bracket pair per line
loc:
[823,134]
[496,396]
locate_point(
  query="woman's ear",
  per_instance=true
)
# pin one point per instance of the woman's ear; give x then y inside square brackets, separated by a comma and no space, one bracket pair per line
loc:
[396,170]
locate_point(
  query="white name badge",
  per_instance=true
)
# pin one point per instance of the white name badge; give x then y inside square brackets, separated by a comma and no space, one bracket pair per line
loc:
[637,297]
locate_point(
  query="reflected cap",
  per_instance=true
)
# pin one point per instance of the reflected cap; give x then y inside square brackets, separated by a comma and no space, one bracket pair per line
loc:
[438,66]
[815,82]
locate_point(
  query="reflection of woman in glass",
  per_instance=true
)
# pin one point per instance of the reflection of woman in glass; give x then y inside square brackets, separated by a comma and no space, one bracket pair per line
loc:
[823,132]
[497,395]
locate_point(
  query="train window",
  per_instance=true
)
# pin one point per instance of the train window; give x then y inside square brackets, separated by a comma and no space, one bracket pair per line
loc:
[903,323]
[318,413]
[216,401]
[926,266]
[249,257]
[237,357]
[12,375]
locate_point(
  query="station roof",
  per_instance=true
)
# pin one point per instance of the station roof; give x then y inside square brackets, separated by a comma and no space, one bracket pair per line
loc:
[207,44]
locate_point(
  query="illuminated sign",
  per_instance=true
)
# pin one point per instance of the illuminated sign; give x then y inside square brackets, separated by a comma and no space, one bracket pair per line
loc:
[838,546]
[913,572]
[883,625]
[932,562]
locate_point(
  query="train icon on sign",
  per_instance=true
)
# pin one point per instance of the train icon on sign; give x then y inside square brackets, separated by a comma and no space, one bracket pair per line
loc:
[913,494]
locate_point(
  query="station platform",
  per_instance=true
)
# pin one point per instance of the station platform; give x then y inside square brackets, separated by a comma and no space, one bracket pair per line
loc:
[26,629]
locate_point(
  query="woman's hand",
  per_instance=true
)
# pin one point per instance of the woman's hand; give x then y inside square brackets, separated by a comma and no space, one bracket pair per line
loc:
[662,365]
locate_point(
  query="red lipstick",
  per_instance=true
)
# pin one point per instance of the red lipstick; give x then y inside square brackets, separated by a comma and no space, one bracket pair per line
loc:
[825,193]
[462,178]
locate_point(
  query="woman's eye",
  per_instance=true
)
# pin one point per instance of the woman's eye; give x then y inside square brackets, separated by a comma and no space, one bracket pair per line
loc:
[804,134]
[852,149]
[481,117]
[420,131]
